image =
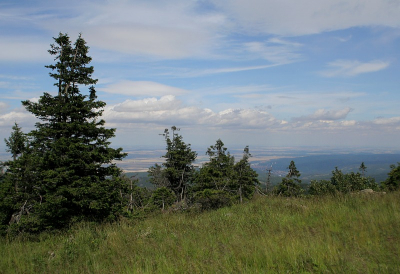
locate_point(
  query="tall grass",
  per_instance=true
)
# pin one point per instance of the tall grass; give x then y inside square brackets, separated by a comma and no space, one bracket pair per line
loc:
[344,234]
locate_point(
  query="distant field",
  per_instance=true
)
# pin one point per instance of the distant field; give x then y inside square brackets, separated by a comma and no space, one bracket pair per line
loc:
[313,163]
[321,166]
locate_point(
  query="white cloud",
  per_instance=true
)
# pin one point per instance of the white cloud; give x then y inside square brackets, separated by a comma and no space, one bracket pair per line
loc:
[387,121]
[245,119]
[154,113]
[288,17]
[165,29]
[344,39]
[3,107]
[195,73]
[326,115]
[167,102]
[23,49]
[237,90]
[353,68]
[286,104]
[169,110]
[142,88]
[150,40]
[13,77]
[186,29]
[20,116]
[274,50]
[4,84]
[349,123]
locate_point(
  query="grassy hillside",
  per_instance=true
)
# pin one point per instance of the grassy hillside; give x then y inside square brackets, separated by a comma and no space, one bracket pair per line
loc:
[346,234]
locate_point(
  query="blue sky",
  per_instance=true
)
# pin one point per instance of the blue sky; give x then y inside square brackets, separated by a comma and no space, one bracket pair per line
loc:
[254,72]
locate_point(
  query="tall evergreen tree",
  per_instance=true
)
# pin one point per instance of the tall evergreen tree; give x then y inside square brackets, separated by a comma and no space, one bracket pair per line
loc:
[290,185]
[362,169]
[221,181]
[216,174]
[16,145]
[75,177]
[14,190]
[17,142]
[178,166]
[245,178]
[392,183]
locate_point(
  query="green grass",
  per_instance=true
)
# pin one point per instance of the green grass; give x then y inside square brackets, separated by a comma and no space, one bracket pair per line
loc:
[345,234]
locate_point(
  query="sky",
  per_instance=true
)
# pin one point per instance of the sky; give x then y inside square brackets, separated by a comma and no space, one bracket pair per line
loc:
[251,72]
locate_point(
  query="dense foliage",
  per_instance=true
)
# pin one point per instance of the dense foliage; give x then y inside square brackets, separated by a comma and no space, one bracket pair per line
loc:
[290,185]
[178,164]
[63,170]
[392,183]
[343,183]
[219,182]
[177,171]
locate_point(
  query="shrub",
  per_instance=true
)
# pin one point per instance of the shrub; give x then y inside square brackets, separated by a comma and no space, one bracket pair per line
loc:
[213,199]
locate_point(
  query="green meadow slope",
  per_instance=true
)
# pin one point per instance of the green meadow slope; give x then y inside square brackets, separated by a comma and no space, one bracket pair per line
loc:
[346,234]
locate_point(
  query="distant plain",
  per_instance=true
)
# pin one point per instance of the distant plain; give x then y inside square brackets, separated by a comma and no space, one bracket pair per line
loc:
[314,163]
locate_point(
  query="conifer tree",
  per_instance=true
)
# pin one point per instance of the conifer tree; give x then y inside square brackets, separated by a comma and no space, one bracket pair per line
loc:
[16,145]
[245,178]
[221,181]
[392,183]
[178,166]
[290,185]
[218,172]
[17,142]
[75,177]
[363,169]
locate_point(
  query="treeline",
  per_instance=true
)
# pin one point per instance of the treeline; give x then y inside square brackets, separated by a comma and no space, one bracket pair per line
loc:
[63,171]
[219,182]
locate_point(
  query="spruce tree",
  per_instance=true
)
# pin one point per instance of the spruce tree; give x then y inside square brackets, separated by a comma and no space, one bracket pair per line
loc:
[392,183]
[217,174]
[16,145]
[290,185]
[14,187]
[178,166]
[75,176]
[245,178]
[221,181]
[17,142]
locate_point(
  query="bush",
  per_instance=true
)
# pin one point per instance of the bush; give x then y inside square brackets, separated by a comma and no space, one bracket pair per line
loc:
[163,198]
[343,183]
[392,183]
[288,188]
[213,199]
[323,187]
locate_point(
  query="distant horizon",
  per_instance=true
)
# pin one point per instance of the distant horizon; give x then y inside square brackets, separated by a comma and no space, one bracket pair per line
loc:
[141,157]
[238,148]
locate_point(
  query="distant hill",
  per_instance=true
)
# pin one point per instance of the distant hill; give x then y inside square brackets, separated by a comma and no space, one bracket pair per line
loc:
[321,166]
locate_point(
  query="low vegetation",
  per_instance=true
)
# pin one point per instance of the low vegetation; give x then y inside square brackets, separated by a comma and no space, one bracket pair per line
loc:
[341,234]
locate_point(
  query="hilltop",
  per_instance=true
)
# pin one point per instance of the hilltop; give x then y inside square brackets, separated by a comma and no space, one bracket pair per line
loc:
[343,234]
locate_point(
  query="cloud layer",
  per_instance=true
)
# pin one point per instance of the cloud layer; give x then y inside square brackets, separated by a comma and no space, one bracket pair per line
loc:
[353,67]
[142,88]
[279,67]
[293,18]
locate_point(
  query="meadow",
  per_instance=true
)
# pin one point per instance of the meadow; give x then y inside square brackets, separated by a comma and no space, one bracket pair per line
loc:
[357,233]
